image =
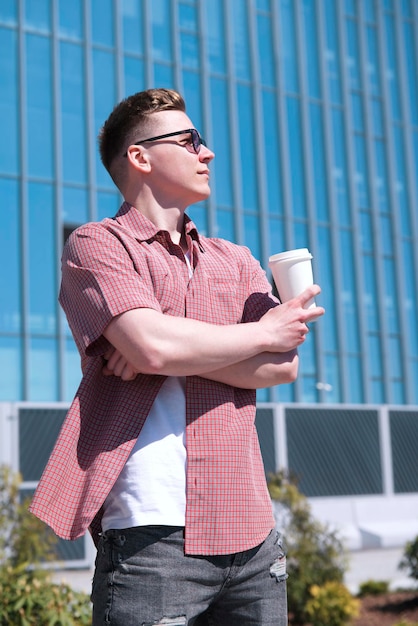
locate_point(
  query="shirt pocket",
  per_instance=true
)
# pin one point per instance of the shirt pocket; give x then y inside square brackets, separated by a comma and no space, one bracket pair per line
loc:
[225,301]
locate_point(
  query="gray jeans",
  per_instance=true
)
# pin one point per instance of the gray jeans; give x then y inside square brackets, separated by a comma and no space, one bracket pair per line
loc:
[143,578]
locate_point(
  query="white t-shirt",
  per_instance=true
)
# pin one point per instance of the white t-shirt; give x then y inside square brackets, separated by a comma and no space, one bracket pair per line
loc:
[151,488]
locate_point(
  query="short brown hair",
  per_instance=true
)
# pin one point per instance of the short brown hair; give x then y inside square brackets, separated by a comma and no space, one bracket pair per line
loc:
[122,126]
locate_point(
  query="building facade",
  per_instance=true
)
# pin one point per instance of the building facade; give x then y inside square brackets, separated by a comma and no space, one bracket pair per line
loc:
[311,107]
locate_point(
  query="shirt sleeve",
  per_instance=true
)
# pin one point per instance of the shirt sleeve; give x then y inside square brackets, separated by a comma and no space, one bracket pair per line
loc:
[99,282]
[260,297]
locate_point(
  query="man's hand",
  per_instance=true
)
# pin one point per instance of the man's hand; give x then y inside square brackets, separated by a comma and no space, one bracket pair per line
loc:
[287,323]
[117,365]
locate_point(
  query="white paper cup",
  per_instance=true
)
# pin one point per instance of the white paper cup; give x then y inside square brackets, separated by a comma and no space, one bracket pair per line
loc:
[292,273]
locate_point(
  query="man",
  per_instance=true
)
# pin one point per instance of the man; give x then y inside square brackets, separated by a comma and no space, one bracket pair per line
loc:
[159,455]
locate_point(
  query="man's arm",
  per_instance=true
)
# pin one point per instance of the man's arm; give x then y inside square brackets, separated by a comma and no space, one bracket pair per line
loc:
[154,343]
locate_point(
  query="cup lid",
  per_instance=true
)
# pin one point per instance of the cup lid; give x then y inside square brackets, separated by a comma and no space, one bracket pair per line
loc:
[290,254]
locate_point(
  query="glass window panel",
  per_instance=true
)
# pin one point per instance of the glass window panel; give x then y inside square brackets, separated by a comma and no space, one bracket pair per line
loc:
[187,16]
[369,10]
[189,46]
[163,75]
[38,15]
[263,395]
[102,21]
[361,175]
[247,161]
[391,296]
[339,169]
[284,393]
[75,205]
[377,117]
[9,103]
[413,371]
[324,275]
[270,144]
[391,72]
[331,390]
[73,113]
[411,70]
[10,258]
[8,12]
[388,5]
[397,389]
[132,25]
[377,394]
[225,225]
[263,5]
[370,294]
[265,50]
[372,66]
[276,235]
[199,214]
[415,160]
[300,234]
[332,55]
[381,178]
[107,204]
[192,94]
[39,132]
[401,183]
[72,370]
[352,57]
[288,49]
[43,370]
[134,75]
[319,163]
[311,48]
[355,379]
[386,234]
[308,390]
[406,7]
[241,39]
[374,357]
[347,291]
[366,232]
[357,112]
[41,267]
[307,353]
[394,361]
[71,18]
[11,383]
[161,30]
[214,21]
[221,142]
[408,275]
[104,85]
[296,158]
[350,7]
[252,235]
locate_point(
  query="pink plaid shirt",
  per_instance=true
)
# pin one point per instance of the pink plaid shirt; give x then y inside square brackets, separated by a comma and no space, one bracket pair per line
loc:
[125,263]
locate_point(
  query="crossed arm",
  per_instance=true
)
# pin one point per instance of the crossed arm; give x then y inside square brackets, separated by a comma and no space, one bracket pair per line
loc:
[252,355]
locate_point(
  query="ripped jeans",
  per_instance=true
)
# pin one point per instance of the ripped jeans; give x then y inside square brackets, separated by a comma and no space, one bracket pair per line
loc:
[143,578]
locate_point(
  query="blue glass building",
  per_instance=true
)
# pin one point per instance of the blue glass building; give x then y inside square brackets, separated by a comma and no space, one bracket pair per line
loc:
[311,107]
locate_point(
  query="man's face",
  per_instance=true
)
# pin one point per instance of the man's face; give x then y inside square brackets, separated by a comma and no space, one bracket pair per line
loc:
[179,176]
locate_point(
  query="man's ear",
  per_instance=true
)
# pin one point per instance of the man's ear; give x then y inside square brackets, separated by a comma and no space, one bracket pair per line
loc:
[139,158]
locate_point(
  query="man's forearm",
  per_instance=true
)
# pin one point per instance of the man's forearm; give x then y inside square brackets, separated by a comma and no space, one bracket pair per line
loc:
[264,370]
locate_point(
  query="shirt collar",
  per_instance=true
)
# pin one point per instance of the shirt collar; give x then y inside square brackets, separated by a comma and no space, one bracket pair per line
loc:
[143,229]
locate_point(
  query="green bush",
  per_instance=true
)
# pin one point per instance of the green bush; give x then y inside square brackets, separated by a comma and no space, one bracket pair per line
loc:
[373,588]
[405,622]
[331,605]
[28,597]
[315,554]
[410,558]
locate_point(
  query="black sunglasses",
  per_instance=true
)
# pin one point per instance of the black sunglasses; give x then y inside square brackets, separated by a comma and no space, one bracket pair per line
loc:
[197,140]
